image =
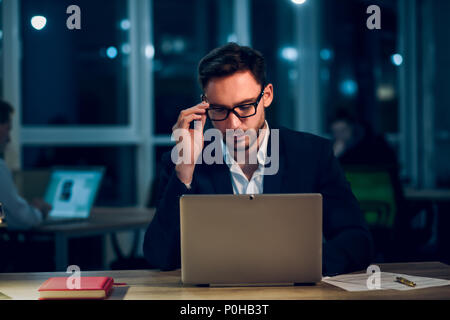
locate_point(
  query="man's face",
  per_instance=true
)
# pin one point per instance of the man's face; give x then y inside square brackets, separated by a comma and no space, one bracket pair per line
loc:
[237,89]
[5,129]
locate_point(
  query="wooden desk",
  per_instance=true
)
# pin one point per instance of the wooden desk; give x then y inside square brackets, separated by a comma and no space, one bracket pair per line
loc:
[103,221]
[155,285]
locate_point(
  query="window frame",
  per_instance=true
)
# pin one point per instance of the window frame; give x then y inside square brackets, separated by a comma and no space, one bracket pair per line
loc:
[139,131]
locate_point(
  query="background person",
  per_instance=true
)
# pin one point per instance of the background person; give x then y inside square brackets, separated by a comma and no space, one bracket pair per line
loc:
[19,214]
[355,143]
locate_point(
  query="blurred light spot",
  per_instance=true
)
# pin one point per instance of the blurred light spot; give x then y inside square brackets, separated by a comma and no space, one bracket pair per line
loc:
[289,53]
[397,59]
[111,52]
[348,87]
[178,45]
[1,32]
[125,24]
[232,38]
[38,22]
[126,48]
[149,51]
[385,93]
[442,135]
[292,74]
[298,1]
[326,54]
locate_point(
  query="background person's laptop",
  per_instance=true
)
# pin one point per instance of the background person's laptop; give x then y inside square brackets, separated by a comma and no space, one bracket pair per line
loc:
[243,239]
[72,192]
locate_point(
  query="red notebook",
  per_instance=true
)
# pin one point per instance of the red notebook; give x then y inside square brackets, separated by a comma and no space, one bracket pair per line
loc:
[90,288]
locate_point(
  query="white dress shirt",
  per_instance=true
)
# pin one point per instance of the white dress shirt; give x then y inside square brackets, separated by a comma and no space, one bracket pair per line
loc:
[239,181]
[19,214]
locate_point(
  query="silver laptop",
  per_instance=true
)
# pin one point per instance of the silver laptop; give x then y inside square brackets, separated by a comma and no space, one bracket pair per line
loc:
[72,193]
[251,239]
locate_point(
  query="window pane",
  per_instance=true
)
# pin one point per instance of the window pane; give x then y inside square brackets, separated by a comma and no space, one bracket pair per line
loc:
[118,187]
[273,34]
[75,77]
[184,31]
[1,49]
[358,66]
[441,93]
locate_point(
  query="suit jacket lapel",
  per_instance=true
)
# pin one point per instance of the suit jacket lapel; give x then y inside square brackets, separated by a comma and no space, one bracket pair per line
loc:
[221,179]
[218,175]
[272,183]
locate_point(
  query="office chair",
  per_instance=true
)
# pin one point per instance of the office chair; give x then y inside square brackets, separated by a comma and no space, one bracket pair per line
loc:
[388,215]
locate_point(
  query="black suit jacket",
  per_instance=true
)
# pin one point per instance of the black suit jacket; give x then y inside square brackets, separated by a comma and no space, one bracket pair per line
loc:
[307,165]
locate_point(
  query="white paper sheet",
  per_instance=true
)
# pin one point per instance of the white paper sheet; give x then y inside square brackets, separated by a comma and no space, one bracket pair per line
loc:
[358,282]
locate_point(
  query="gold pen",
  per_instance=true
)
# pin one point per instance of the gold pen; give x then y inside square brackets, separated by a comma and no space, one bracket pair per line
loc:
[405,281]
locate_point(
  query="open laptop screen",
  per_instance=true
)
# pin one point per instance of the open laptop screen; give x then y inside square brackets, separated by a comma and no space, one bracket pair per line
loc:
[72,192]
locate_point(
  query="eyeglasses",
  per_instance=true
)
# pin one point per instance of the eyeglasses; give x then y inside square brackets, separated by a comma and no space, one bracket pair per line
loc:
[219,113]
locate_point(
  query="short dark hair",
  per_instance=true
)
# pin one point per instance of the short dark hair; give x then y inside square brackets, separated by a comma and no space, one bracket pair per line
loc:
[231,58]
[5,112]
[344,115]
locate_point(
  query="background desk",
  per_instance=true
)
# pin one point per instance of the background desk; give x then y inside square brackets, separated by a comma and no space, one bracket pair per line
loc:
[434,195]
[439,200]
[155,285]
[103,221]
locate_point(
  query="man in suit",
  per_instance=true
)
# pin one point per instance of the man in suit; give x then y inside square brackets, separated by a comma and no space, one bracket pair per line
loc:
[233,80]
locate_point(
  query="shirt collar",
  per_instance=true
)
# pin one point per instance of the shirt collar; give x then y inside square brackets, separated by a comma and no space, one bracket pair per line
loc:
[261,156]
